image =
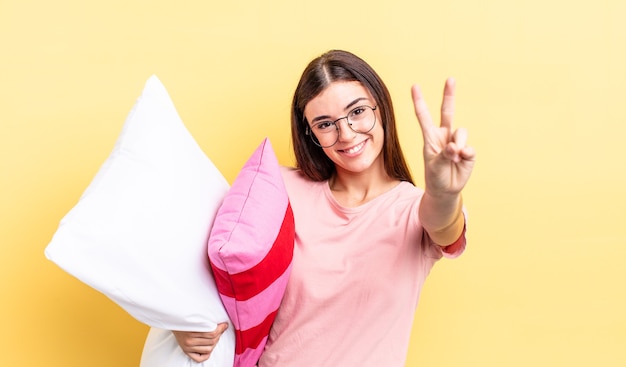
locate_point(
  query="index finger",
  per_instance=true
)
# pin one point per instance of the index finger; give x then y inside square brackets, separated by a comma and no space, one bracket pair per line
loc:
[447,105]
[421,110]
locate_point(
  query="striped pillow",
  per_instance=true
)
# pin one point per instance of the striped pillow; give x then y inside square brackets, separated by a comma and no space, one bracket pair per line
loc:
[250,249]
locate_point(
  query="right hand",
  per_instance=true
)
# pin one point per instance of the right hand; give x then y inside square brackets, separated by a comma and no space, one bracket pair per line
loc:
[448,160]
[199,345]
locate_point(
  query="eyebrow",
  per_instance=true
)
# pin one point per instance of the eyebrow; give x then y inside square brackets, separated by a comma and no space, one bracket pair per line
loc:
[326,117]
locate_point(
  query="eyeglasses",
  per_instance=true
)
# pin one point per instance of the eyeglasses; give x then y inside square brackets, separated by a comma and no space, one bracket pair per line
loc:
[360,119]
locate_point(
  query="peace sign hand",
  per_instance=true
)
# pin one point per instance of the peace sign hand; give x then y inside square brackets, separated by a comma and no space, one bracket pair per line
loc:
[448,161]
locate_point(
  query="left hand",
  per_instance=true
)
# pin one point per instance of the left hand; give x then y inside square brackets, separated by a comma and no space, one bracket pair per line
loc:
[448,161]
[199,345]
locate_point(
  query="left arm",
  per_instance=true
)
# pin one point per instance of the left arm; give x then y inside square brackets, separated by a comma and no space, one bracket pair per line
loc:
[448,164]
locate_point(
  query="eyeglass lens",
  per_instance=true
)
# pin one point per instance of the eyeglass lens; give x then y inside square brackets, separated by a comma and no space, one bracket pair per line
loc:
[360,120]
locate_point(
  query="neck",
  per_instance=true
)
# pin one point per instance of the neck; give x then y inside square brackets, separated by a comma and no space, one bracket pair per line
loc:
[352,189]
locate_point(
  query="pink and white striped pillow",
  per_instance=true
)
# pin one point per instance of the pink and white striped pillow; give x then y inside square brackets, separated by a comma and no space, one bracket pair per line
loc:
[251,249]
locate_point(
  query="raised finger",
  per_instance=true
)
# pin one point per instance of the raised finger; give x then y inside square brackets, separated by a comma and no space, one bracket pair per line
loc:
[421,110]
[447,104]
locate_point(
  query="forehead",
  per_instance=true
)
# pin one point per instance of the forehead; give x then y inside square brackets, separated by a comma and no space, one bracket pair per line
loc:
[336,98]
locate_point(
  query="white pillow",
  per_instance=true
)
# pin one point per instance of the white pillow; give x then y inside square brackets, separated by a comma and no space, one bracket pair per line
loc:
[161,350]
[139,232]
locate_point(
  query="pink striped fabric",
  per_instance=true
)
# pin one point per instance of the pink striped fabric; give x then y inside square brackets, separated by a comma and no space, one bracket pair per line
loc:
[250,249]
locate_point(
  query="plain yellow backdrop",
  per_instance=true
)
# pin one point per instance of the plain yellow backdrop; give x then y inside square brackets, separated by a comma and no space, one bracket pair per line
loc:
[540,88]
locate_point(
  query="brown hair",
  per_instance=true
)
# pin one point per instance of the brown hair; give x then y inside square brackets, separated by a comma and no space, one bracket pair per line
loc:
[338,65]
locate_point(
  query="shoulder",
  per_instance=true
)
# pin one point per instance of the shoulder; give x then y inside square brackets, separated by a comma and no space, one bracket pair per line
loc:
[303,192]
[291,174]
[288,172]
[407,191]
[296,181]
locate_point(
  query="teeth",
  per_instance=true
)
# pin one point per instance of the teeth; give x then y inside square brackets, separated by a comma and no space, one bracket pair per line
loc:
[355,149]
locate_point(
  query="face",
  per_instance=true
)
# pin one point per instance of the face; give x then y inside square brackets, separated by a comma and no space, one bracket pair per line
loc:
[353,152]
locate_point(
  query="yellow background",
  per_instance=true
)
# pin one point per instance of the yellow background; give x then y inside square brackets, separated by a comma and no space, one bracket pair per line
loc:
[540,88]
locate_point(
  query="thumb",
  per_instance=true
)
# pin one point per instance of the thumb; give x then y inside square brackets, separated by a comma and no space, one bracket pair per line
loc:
[221,327]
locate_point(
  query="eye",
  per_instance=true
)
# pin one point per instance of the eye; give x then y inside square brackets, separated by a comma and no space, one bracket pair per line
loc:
[324,125]
[357,111]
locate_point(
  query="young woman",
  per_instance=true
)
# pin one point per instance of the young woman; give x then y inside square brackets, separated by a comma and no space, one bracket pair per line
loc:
[366,237]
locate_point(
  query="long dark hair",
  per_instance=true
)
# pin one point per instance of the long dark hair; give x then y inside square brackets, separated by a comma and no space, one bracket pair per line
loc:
[332,66]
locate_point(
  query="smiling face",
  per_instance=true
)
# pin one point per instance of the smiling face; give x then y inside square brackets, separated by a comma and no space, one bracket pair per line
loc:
[353,152]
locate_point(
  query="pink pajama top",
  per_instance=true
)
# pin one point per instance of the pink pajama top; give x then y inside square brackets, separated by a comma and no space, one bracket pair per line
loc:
[356,278]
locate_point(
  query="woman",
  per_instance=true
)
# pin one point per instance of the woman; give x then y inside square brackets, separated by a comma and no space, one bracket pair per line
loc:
[366,237]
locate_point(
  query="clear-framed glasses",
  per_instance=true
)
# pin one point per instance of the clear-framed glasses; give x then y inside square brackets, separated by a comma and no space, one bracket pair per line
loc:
[360,119]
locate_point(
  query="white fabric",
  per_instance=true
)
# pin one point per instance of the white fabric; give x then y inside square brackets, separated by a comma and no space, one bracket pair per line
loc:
[139,232]
[161,350]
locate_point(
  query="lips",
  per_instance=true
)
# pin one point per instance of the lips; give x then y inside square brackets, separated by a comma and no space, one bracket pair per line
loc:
[355,149]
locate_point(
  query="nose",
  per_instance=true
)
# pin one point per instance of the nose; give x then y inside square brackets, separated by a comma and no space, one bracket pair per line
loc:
[345,132]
